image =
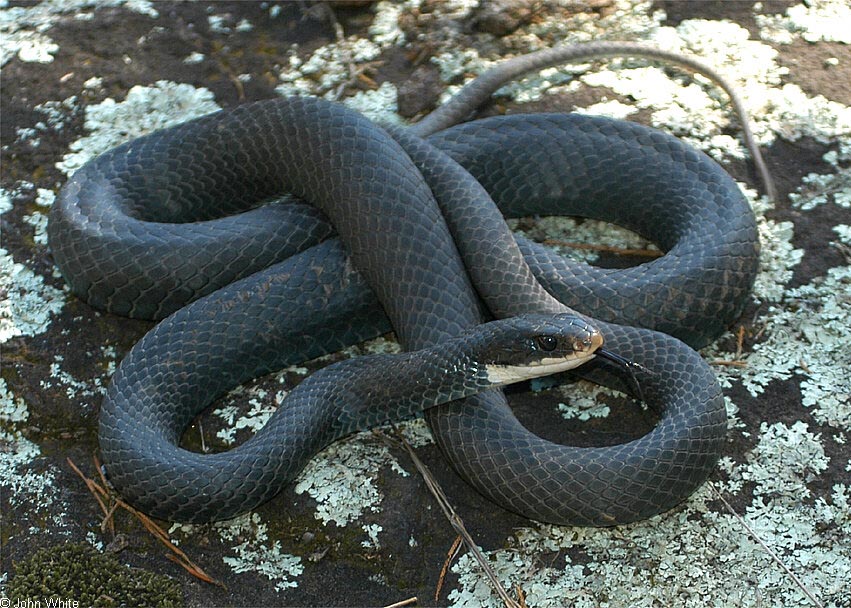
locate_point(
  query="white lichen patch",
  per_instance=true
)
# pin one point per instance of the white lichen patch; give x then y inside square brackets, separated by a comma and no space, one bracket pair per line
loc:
[254,419]
[794,114]
[384,29]
[784,461]
[342,478]
[45,197]
[22,28]
[693,112]
[833,187]
[56,115]
[37,219]
[253,552]
[378,105]
[624,20]
[778,257]
[372,531]
[26,307]
[327,70]
[805,329]
[13,410]
[463,61]
[27,303]
[692,557]
[612,109]
[6,203]
[814,21]
[74,388]
[194,57]
[225,23]
[844,232]
[817,189]
[144,109]
[331,68]
[27,488]
[584,401]
[692,108]
[416,432]
[807,337]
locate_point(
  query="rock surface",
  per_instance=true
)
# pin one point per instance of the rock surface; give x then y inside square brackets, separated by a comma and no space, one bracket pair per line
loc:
[360,527]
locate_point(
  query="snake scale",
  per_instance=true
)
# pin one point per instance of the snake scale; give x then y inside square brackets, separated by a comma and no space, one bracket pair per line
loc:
[402,229]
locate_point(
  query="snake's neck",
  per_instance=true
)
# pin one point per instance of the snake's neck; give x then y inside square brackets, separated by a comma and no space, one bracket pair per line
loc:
[384,387]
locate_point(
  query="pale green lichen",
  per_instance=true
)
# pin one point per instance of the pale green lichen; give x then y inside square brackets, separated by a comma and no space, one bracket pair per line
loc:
[807,336]
[844,232]
[584,401]
[693,108]
[806,329]
[144,109]
[35,491]
[37,219]
[254,553]
[233,420]
[28,303]
[371,531]
[341,478]
[677,558]
[384,29]
[624,20]
[378,105]
[194,57]
[612,109]
[82,389]
[814,21]
[251,551]
[693,556]
[794,114]
[778,257]
[22,28]
[56,115]
[326,71]
[563,233]
[816,189]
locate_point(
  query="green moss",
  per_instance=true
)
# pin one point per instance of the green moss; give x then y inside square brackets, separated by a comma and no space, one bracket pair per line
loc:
[78,572]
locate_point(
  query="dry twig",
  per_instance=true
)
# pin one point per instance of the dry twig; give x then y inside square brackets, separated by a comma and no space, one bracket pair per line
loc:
[767,549]
[740,340]
[407,602]
[101,493]
[450,555]
[729,363]
[456,522]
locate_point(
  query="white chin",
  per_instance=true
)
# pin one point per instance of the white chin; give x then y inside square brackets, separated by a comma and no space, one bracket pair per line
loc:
[508,374]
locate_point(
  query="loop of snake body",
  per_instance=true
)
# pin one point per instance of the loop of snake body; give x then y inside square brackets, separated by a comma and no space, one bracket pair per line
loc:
[402,229]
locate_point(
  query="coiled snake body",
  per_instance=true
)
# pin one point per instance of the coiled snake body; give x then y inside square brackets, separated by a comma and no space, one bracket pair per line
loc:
[173,217]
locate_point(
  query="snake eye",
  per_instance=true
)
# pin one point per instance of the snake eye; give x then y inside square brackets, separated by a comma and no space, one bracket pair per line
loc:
[547,343]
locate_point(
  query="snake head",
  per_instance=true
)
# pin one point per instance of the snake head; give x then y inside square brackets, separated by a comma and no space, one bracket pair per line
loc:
[534,345]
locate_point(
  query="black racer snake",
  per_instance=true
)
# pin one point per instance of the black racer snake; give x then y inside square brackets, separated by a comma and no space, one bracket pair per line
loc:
[367,245]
